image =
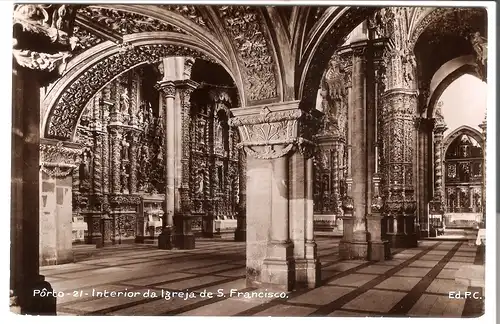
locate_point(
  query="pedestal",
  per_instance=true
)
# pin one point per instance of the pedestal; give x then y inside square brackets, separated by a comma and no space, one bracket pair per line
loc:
[379,248]
[184,237]
[345,242]
[166,239]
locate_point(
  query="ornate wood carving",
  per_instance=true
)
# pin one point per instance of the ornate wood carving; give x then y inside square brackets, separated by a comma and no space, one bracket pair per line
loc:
[64,116]
[398,111]
[50,26]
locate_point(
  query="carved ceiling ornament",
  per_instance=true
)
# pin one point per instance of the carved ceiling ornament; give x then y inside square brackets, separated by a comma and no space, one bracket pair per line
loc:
[86,40]
[65,113]
[272,133]
[190,12]
[125,22]
[48,27]
[252,49]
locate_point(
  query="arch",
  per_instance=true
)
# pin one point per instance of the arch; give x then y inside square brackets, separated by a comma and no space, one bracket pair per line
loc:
[462,130]
[446,75]
[322,41]
[93,69]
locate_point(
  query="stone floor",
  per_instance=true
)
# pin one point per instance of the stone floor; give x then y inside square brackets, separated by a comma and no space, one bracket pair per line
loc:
[416,282]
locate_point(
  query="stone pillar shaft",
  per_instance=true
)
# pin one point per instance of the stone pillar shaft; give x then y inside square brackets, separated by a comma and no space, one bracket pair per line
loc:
[167,100]
[275,170]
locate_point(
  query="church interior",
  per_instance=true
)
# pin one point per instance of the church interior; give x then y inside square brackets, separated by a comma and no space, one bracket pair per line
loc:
[296,149]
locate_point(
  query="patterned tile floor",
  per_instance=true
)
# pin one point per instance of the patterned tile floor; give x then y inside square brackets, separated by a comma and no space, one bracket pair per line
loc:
[416,282]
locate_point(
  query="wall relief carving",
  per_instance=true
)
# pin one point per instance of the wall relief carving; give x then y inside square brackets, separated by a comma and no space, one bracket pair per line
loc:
[190,12]
[252,49]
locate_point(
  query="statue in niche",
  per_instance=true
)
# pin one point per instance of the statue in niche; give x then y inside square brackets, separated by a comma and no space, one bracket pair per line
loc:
[200,183]
[140,116]
[125,100]
[125,149]
[409,68]
[84,172]
[125,175]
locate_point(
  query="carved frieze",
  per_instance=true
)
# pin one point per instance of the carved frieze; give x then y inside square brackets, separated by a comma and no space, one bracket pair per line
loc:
[125,22]
[64,117]
[253,50]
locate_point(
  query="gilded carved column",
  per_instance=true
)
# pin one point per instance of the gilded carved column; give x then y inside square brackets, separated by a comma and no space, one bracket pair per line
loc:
[134,142]
[439,129]
[116,139]
[270,135]
[41,49]
[167,104]
[483,127]
[184,237]
[399,111]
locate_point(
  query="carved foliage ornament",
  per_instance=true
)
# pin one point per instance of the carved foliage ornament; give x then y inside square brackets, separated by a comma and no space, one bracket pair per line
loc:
[64,115]
[54,21]
[247,35]
[190,12]
[126,22]
[52,25]
[57,160]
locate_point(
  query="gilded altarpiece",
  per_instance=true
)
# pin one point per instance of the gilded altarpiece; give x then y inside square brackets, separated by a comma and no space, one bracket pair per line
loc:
[463,181]
[122,170]
[214,163]
[330,161]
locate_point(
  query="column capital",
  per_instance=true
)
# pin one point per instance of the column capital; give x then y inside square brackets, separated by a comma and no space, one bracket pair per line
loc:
[60,158]
[272,131]
[167,87]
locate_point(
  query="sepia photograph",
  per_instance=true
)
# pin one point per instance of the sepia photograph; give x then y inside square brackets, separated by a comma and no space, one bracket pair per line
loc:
[283,160]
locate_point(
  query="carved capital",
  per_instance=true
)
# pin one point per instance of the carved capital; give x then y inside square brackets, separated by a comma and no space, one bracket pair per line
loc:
[59,160]
[167,87]
[272,131]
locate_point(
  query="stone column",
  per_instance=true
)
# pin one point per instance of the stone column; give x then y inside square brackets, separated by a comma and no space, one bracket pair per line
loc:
[425,169]
[240,234]
[184,237]
[274,170]
[39,59]
[359,192]
[167,99]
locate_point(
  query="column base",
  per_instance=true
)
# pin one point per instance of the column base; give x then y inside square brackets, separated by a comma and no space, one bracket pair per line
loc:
[165,239]
[30,301]
[240,235]
[307,273]
[404,241]
[379,251]
[185,241]
[424,233]
[353,250]
[308,270]
[278,269]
